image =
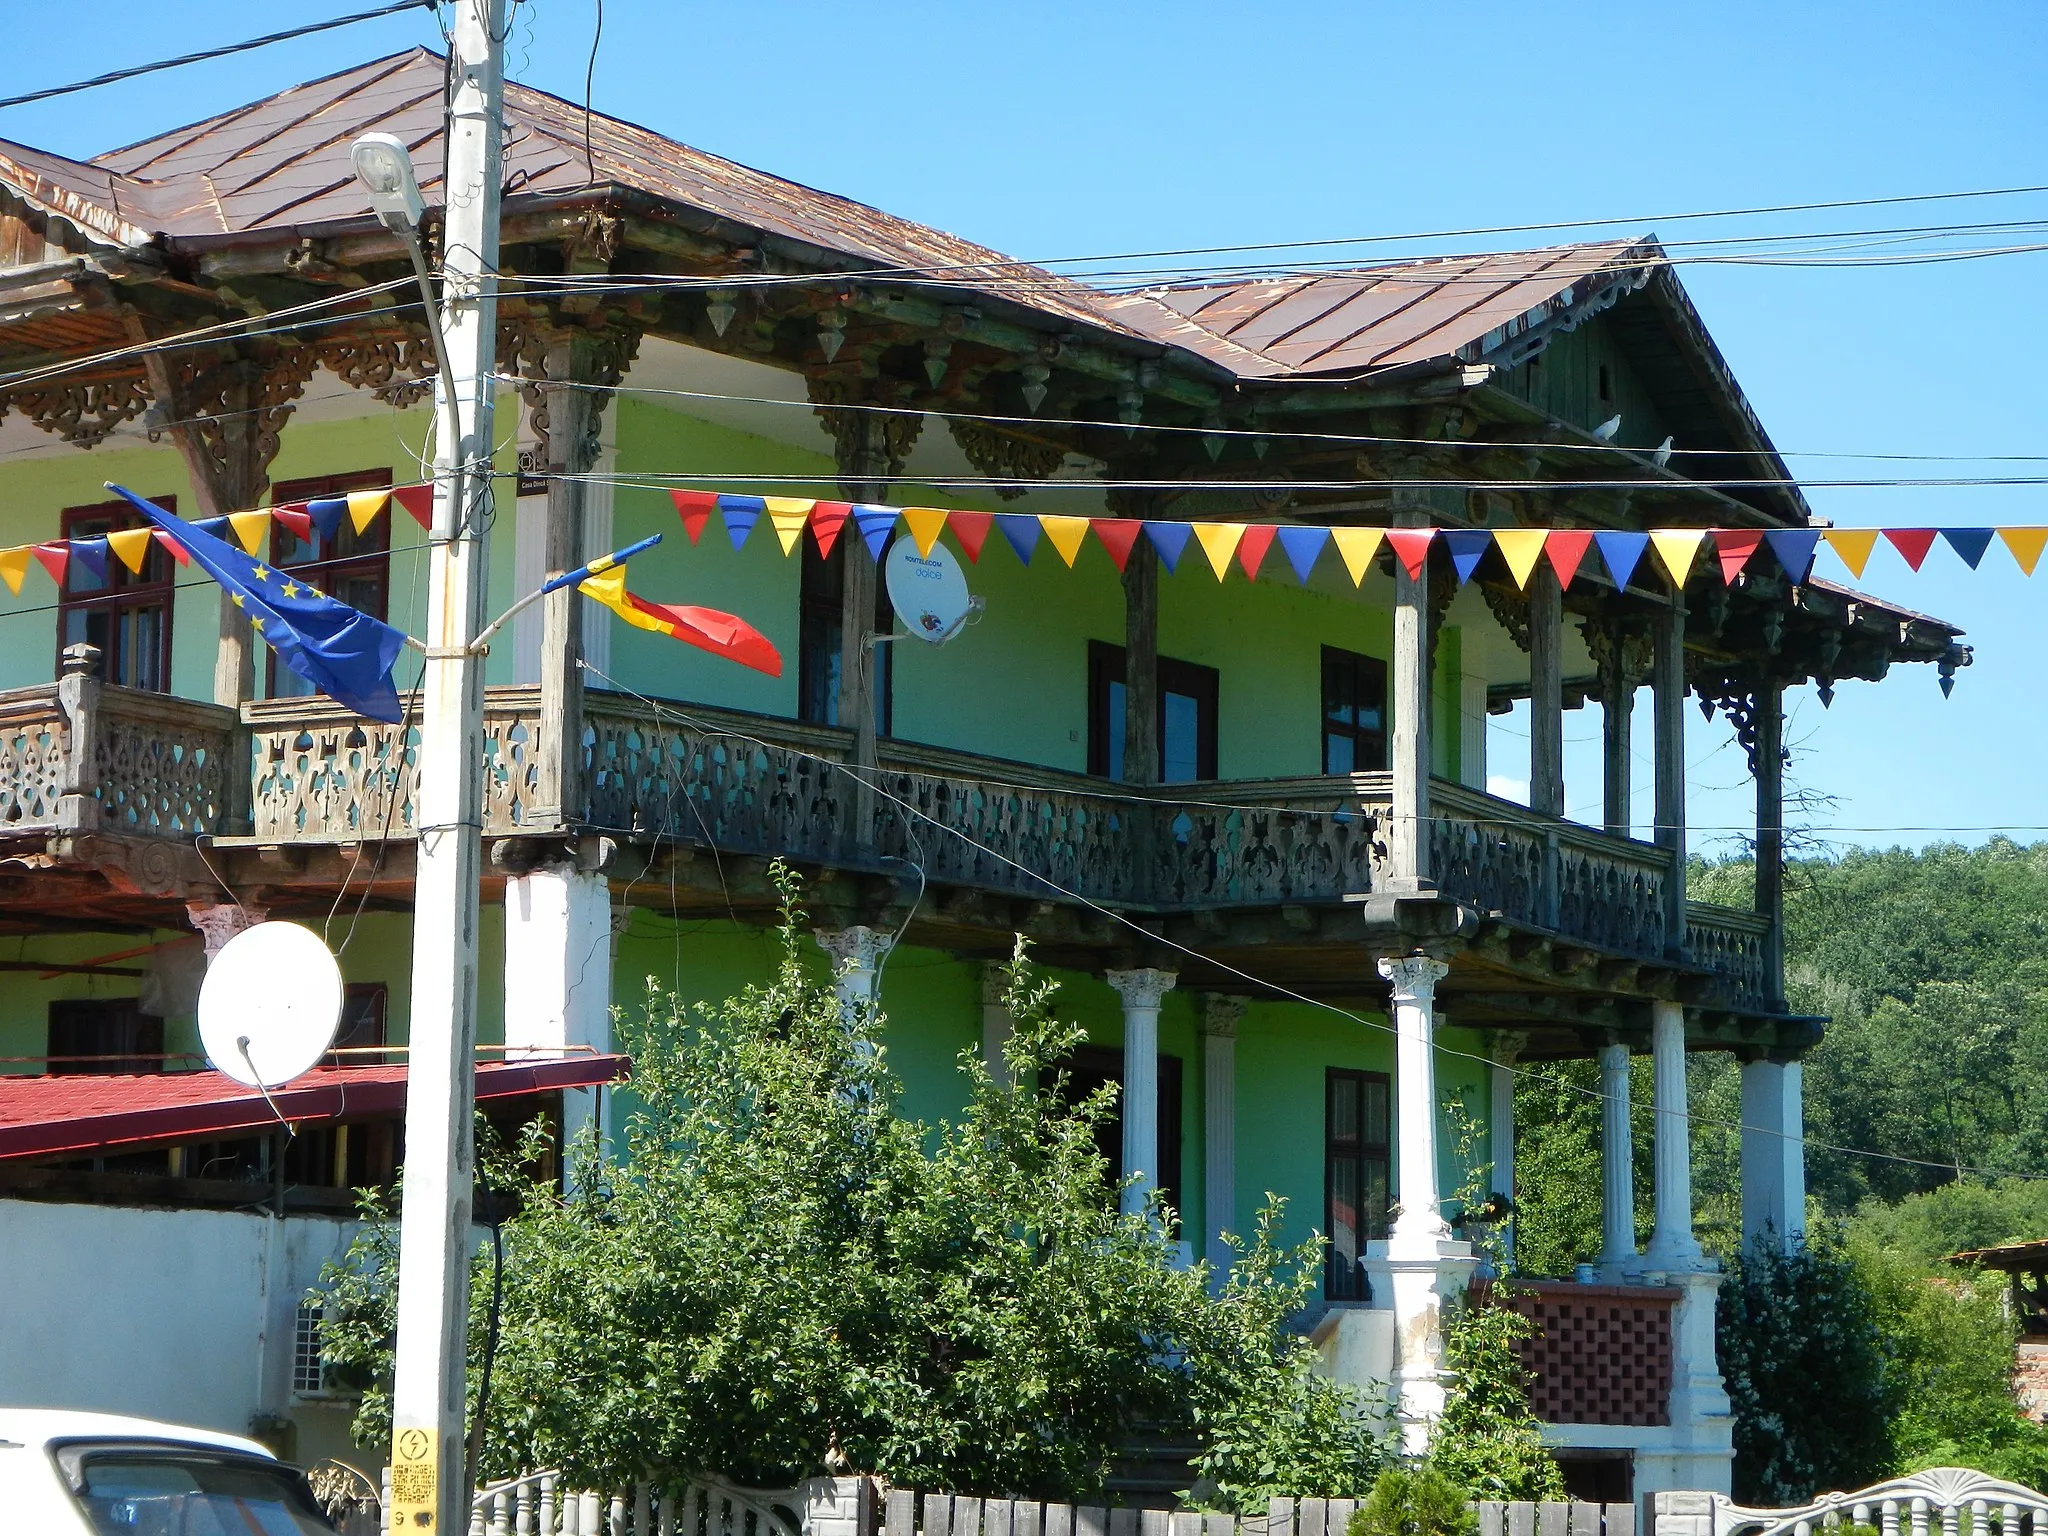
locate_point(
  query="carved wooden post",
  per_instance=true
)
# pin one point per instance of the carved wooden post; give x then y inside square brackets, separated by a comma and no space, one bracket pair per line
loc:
[1769,767]
[1546,693]
[78,696]
[1141,663]
[1617,712]
[1668,682]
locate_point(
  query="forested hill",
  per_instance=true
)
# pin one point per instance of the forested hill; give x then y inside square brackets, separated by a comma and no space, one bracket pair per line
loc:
[1933,967]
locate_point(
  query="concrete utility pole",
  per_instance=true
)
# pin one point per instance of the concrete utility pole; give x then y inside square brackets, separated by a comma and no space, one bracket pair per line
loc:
[429,1492]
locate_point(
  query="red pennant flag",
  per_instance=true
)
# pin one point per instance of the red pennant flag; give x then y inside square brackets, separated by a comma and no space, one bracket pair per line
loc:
[54,557]
[827,518]
[695,509]
[971,529]
[419,501]
[1251,549]
[1735,546]
[1913,543]
[1566,547]
[1118,534]
[1411,548]
[295,517]
[173,548]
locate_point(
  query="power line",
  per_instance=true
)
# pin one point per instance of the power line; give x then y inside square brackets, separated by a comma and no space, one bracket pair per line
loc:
[218,53]
[649,479]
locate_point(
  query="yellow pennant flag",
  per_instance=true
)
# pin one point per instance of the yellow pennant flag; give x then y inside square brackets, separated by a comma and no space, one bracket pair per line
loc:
[2025,544]
[131,546]
[788,514]
[1358,546]
[14,566]
[1676,547]
[1066,533]
[1853,545]
[1521,548]
[927,523]
[252,528]
[363,507]
[1219,543]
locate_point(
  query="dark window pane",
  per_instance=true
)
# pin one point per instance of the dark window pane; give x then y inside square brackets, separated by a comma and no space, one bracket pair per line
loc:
[1354,712]
[1180,762]
[1337,754]
[1113,729]
[1355,1177]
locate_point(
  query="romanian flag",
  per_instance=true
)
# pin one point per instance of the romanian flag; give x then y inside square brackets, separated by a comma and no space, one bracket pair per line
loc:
[722,634]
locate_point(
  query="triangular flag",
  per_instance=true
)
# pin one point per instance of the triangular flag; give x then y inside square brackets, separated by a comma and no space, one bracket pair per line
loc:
[875,523]
[1794,548]
[1853,545]
[1677,548]
[252,529]
[364,507]
[1251,549]
[1358,546]
[788,514]
[1304,546]
[1118,535]
[92,554]
[2025,543]
[418,501]
[1970,543]
[55,556]
[1171,540]
[1020,531]
[827,518]
[14,566]
[1066,534]
[693,507]
[1411,548]
[326,512]
[1219,543]
[740,514]
[926,524]
[1468,546]
[1622,553]
[971,529]
[173,548]
[131,546]
[217,526]
[297,519]
[1566,547]
[1521,548]
[1735,546]
[1913,543]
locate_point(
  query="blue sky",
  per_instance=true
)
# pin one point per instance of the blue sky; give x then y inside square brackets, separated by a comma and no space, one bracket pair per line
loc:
[1066,129]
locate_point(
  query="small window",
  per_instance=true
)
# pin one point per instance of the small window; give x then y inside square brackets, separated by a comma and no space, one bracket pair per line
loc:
[125,614]
[1354,712]
[309,1375]
[100,1036]
[1606,386]
[353,568]
[820,635]
[1186,717]
[1355,1176]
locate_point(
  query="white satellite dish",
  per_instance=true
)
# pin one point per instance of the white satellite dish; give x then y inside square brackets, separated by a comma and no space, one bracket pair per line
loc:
[270,1004]
[929,592]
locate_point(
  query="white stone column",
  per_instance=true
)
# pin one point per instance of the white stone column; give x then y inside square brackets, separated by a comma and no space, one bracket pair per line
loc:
[1618,1258]
[857,955]
[217,924]
[1141,991]
[1773,1153]
[1220,1018]
[558,973]
[1672,1244]
[996,1024]
[1500,1127]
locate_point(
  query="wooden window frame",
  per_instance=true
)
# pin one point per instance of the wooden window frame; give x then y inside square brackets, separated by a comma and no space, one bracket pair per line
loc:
[1360,666]
[157,585]
[1343,1282]
[143,1053]
[1107,667]
[329,573]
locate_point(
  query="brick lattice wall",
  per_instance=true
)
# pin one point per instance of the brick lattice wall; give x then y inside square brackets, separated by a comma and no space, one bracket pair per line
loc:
[1601,1354]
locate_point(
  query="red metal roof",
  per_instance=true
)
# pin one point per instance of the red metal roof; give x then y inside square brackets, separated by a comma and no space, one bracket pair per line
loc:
[51,1116]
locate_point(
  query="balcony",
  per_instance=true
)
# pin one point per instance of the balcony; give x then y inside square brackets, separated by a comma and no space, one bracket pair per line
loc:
[80,757]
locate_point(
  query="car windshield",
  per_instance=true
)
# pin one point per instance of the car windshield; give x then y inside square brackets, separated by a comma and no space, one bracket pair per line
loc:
[192,1493]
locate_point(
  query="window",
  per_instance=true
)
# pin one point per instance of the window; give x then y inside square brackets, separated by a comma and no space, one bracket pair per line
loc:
[355,568]
[1354,712]
[309,1376]
[1089,1068]
[125,614]
[1355,1176]
[1186,716]
[104,1035]
[819,636]
[362,1024]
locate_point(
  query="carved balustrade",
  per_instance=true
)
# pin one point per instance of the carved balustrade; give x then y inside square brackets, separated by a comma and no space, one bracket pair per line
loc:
[1735,945]
[79,756]
[35,752]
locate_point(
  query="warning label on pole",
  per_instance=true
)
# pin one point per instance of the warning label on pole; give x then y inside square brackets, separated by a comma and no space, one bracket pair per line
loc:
[415,1479]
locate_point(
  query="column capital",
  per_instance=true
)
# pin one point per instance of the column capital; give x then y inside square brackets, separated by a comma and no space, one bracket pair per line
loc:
[854,949]
[1144,988]
[995,983]
[1414,977]
[217,924]
[1221,1015]
[1505,1048]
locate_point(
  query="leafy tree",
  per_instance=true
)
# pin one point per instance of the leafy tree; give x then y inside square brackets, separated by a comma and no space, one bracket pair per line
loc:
[1414,1501]
[1487,1440]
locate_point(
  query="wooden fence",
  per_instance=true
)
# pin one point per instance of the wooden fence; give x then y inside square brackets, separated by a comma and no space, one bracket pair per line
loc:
[908,1513]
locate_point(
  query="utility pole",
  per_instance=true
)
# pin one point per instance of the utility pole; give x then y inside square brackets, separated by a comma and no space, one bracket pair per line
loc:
[429,1481]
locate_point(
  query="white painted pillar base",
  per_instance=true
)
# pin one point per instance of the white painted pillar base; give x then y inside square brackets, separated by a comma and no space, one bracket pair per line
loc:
[1142,991]
[1220,1018]
[1672,1245]
[1700,1409]
[1618,1258]
[558,973]
[1773,1153]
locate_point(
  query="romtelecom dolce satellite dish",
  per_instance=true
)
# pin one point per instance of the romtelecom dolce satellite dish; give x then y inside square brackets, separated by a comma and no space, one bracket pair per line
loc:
[929,592]
[270,1004]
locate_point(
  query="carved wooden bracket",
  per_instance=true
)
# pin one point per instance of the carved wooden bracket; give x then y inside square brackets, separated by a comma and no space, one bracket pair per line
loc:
[1006,455]
[1622,652]
[398,367]
[865,440]
[532,347]
[82,412]
[1510,610]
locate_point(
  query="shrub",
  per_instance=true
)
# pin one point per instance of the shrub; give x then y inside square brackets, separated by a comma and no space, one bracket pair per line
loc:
[1414,1501]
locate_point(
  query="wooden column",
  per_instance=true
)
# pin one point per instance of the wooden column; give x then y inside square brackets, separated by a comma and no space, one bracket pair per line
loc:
[568,417]
[1141,665]
[1546,693]
[1617,722]
[1770,830]
[1409,757]
[1668,682]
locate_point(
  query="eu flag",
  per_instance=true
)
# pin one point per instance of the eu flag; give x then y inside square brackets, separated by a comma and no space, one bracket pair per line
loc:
[340,650]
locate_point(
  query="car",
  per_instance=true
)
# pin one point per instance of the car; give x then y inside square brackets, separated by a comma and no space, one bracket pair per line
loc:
[70,1473]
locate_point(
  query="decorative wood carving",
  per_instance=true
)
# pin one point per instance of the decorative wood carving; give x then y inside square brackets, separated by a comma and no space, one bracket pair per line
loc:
[865,440]
[1510,610]
[397,368]
[82,412]
[1006,455]
[1621,652]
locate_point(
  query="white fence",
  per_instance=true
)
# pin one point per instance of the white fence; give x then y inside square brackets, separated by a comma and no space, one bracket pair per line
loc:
[1961,1502]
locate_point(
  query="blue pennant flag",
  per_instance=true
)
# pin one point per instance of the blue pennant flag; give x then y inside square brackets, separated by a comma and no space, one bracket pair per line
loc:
[340,650]
[1022,530]
[92,554]
[740,513]
[875,524]
[1622,552]
[1468,546]
[327,513]
[1303,545]
[1794,548]
[1970,543]
[1171,540]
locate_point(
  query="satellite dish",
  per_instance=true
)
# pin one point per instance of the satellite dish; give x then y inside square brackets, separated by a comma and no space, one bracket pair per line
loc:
[929,591]
[270,1004]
